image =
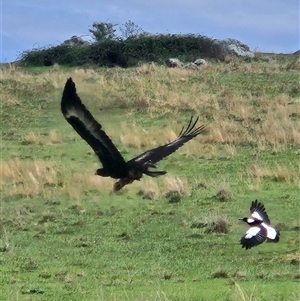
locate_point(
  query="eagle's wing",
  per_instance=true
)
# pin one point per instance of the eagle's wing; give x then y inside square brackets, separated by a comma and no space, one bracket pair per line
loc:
[253,237]
[258,211]
[89,129]
[154,155]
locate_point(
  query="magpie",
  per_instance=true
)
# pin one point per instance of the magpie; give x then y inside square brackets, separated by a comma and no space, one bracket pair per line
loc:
[260,229]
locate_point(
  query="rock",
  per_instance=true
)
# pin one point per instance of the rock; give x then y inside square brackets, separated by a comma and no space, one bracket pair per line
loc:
[172,63]
[195,65]
[199,62]
[229,47]
[191,66]
[74,40]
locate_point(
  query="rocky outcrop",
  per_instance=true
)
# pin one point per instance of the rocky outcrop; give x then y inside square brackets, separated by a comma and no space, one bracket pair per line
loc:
[230,47]
[77,41]
[191,66]
[172,63]
[200,62]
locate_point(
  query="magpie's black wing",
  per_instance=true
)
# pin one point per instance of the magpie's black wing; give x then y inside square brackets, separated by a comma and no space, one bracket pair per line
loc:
[253,237]
[90,130]
[258,211]
[159,153]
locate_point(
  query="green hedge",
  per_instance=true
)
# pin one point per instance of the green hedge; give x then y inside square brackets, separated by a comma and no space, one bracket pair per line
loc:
[124,53]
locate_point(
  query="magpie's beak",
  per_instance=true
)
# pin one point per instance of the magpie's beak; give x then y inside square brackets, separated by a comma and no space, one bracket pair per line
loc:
[240,219]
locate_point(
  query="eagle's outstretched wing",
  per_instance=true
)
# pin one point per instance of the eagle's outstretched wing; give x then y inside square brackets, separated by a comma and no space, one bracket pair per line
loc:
[90,130]
[156,154]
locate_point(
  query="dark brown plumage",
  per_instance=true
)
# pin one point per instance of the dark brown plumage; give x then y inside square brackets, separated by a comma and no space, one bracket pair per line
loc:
[113,164]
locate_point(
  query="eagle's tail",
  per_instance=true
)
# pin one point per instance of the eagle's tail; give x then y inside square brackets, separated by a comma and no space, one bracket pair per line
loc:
[155,173]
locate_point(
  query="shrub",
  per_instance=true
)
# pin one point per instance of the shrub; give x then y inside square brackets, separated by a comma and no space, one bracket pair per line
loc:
[124,53]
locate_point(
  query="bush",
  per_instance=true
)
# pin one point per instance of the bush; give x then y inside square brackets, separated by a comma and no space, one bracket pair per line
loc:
[124,53]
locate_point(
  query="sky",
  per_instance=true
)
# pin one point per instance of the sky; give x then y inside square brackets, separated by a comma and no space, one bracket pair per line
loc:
[267,26]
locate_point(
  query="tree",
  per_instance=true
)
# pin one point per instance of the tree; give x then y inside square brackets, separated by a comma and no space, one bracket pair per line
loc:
[103,31]
[129,30]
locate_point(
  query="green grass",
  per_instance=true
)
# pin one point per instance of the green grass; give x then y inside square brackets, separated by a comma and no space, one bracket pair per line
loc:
[65,238]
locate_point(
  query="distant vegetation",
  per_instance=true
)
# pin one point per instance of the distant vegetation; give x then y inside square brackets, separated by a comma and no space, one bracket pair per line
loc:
[132,47]
[123,53]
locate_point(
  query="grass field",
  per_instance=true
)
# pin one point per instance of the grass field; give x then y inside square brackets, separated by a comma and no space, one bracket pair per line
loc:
[66,236]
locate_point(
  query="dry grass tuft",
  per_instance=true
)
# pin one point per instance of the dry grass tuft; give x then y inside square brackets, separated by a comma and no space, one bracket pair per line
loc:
[149,190]
[42,139]
[78,183]
[291,257]
[217,224]
[279,130]
[28,178]
[167,136]
[212,223]
[285,174]
[31,138]
[230,150]
[54,137]
[240,293]
[295,64]
[256,173]
[239,274]
[224,195]
[137,137]
[32,178]
[174,188]
[220,274]
[228,132]
[133,136]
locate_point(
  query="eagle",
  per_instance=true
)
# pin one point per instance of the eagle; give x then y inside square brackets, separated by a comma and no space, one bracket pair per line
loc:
[260,229]
[113,163]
